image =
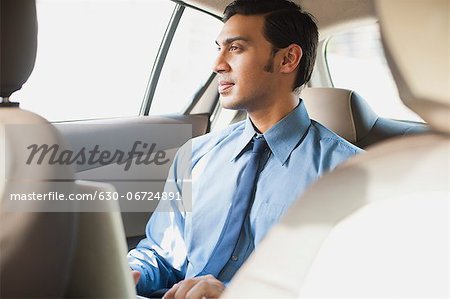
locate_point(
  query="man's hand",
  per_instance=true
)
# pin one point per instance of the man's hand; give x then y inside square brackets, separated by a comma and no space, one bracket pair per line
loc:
[136,276]
[196,288]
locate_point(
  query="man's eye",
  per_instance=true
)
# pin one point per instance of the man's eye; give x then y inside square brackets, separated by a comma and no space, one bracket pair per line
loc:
[234,48]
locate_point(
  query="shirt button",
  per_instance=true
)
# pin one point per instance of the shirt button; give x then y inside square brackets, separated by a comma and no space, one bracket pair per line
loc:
[234,258]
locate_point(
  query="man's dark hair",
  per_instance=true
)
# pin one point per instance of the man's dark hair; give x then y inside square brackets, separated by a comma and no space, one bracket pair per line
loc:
[285,24]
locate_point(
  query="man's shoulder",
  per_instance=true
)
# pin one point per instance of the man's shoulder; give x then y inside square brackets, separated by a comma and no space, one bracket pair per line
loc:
[197,147]
[330,138]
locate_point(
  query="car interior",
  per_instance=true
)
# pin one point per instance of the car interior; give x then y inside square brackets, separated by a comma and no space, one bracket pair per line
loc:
[375,227]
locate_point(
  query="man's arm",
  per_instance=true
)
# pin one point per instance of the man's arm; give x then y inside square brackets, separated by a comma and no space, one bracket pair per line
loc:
[160,258]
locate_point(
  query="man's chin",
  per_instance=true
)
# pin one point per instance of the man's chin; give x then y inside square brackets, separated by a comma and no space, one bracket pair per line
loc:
[231,103]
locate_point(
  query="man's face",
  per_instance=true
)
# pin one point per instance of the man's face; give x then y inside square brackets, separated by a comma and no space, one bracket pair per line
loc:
[245,64]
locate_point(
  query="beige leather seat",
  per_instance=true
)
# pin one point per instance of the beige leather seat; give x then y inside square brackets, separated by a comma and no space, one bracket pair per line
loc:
[35,248]
[377,227]
[348,114]
[47,254]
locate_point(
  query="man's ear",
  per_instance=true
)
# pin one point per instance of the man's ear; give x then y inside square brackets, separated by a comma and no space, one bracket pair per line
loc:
[291,58]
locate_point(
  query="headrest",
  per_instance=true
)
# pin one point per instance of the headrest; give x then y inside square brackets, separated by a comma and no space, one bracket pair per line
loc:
[18,42]
[343,111]
[415,35]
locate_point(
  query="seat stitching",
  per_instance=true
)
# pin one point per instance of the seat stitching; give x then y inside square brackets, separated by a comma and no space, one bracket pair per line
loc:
[351,116]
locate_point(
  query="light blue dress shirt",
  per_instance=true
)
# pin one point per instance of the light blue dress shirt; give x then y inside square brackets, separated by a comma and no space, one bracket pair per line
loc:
[180,242]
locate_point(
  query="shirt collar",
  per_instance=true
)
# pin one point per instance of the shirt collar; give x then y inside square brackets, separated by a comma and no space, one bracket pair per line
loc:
[282,137]
[244,139]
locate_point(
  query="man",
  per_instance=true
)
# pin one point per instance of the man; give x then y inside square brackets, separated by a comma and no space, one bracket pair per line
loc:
[267,50]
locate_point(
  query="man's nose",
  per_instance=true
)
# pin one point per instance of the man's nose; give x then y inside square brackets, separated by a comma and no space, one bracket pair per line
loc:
[220,64]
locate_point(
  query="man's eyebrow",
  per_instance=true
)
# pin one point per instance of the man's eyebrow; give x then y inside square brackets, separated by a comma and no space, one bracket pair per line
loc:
[233,39]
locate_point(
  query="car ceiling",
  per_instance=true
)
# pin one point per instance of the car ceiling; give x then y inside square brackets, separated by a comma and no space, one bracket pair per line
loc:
[332,15]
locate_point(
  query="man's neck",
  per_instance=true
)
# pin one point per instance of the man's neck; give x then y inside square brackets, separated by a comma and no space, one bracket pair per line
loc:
[266,117]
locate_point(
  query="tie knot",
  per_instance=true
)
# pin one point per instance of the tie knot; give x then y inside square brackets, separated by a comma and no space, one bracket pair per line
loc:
[259,145]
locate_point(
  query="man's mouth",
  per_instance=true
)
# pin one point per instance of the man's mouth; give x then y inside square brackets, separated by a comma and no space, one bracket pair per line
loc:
[225,86]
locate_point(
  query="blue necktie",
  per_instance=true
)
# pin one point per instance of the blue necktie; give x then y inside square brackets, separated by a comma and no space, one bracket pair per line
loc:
[240,208]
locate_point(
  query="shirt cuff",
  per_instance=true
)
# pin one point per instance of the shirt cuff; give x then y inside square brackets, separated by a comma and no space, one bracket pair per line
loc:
[142,283]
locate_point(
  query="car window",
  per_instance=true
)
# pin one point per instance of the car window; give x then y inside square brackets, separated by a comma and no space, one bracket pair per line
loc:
[188,64]
[94,57]
[356,61]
